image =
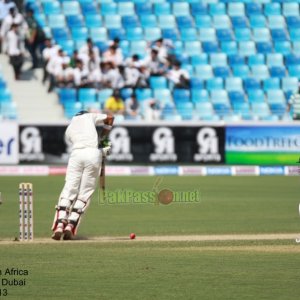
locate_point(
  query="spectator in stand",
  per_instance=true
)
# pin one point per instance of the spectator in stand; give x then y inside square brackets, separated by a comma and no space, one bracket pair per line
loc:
[48,52]
[294,105]
[94,72]
[5,6]
[54,67]
[112,77]
[35,37]
[132,106]
[12,18]
[80,75]
[90,47]
[74,58]
[15,50]
[155,66]
[113,56]
[115,104]
[151,110]
[143,80]
[178,76]
[65,76]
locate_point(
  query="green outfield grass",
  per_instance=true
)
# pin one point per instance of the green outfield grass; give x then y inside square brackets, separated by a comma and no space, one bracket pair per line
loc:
[160,270]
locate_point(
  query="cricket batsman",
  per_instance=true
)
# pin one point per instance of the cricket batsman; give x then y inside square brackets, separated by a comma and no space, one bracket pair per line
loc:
[83,170]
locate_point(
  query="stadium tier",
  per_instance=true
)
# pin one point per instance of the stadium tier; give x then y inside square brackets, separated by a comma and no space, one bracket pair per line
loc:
[243,57]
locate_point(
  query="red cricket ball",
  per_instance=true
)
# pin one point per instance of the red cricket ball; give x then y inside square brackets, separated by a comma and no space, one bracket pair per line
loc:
[132,236]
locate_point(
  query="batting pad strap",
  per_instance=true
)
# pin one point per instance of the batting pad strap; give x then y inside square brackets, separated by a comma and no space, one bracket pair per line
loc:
[107,127]
[58,207]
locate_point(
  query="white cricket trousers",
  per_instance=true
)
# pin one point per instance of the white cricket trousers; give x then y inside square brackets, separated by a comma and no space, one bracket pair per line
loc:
[82,173]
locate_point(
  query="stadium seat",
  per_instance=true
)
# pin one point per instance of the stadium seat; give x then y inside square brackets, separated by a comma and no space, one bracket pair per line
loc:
[261,110]
[294,71]
[215,83]
[279,34]
[283,47]
[204,110]
[184,22]
[198,9]
[203,21]
[253,8]
[163,8]
[257,21]
[60,34]
[71,109]
[221,22]
[233,84]
[75,21]
[192,47]
[87,95]
[93,21]
[163,95]
[290,9]
[166,21]
[158,82]
[261,72]
[79,33]
[207,34]
[130,22]
[229,48]
[218,59]
[277,71]
[138,47]
[112,21]
[251,84]
[196,83]
[236,97]
[278,109]
[242,34]
[256,95]
[185,110]
[276,22]
[290,84]
[292,59]
[125,8]
[294,34]
[272,9]
[199,59]
[224,35]
[271,84]
[148,21]
[241,71]
[247,48]
[219,96]
[180,9]
[242,109]
[217,9]
[199,96]
[89,9]
[103,95]
[68,46]
[203,71]
[239,22]
[51,8]
[108,9]
[143,8]
[181,95]
[143,94]
[275,59]
[293,21]
[235,9]
[261,35]
[256,59]
[264,47]
[210,47]
[275,96]
[56,21]
[170,34]
[98,34]
[71,8]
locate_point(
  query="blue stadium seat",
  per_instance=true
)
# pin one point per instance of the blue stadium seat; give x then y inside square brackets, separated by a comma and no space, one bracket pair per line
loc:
[236,97]
[256,95]
[89,8]
[224,35]
[199,96]
[196,83]
[67,95]
[222,71]
[60,34]
[276,22]
[261,35]
[166,21]
[68,46]
[56,21]
[290,9]
[112,21]
[170,34]
[207,34]
[93,21]
[290,84]
[210,47]
[215,83]
[134,34]
[217,9]
[256,59]
[221,22]
[239,22]
[264,47]
[261,110]
[181,9]
[203,21]
[79,33]
[126,93]
[294,71]
[125,8]
[198,8]
[181,95]
[260,71]
[108,9]
[143,94]
[251,84]
[163,8]
[233,84]
[242,109]
[241,71]
[87,95]
[294,34]
[271,84]
[75,21]
[278,109]
[219,96]
[257,21]
[158,82]
[71,8]
[71,109]
[275,96]
[279,35]
[274,60]
[247,48]
[235,9]
[51,8]
[138,47]
[184,22]
[292,59]
[203,71]
[130,21]
[152,34]
[205,111]
[283,47]
[293,21]
[218,59]
[253,8]
[185,110]
[295,47]
[148,21]
[199,59]
[242,34]
[272,9]
[229,48]
[188,34]
[192,47]
[103,95]
[163,95]
[40,19]
[236,59]
[98,34]
[113,33]
[143,8]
